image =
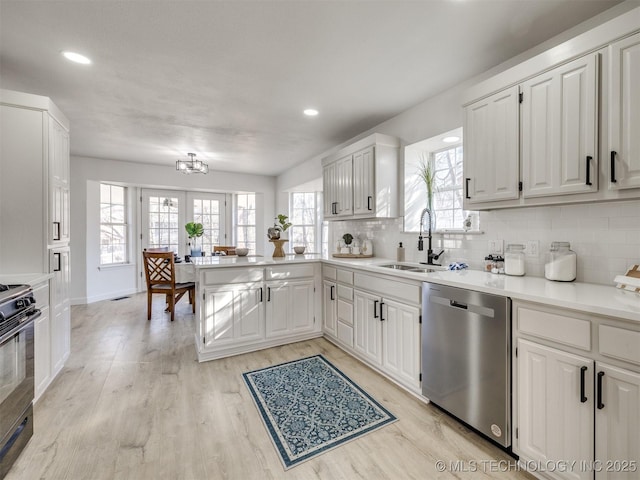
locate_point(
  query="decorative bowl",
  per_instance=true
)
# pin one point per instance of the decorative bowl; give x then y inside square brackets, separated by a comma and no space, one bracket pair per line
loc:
[299,250]
[241,251]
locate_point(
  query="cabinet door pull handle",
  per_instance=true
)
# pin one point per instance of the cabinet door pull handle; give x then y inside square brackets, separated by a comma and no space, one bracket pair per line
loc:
[375,309]
[58,262]
[600,405]
[381,317]
[613,167]
[369,198]
[332,288]
[588,181]
[261,298]
[583,396]
[268,294]
[56,230]
[466,188]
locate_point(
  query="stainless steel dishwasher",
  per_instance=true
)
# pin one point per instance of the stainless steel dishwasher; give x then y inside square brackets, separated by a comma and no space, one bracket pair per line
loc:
[466,363]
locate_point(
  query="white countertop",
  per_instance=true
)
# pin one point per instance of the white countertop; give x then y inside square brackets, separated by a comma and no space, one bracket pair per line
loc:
[251,260]
[24,278]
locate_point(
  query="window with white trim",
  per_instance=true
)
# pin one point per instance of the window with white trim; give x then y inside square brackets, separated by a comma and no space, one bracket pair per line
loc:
[446,161]
[113,224]
[246,221]
[303,209]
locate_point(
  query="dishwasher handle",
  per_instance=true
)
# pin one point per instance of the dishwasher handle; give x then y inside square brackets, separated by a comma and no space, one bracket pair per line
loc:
[453,303]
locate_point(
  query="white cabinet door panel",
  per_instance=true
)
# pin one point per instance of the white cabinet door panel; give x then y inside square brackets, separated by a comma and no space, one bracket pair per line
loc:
[329,307]
[401,342]
[624,113]
[618,422]
[555,423]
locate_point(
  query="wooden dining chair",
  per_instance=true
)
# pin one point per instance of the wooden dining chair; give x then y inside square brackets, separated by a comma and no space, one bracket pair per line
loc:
[160,271]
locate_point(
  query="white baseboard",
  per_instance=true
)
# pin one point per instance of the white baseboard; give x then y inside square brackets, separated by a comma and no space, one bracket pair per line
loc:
[104,296]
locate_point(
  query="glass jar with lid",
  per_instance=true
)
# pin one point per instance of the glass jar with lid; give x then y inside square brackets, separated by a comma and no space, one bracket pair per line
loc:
[514,259]
[562,263]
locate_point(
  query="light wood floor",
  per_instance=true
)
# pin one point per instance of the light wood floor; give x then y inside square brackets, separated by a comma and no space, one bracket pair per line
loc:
[134,403]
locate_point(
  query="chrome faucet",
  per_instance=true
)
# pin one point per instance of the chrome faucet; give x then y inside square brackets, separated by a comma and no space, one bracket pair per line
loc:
[430,255]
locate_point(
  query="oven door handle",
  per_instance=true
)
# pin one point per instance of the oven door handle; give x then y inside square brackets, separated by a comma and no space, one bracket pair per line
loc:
[26,323]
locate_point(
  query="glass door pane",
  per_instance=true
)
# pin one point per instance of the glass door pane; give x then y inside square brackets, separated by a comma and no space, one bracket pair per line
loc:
[209,210]
[163,220]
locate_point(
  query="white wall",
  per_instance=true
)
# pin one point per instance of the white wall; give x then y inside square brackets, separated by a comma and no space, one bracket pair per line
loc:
[89,283]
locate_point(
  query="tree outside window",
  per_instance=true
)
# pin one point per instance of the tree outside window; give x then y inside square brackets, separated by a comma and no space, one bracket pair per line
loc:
[246,221]
[303,208]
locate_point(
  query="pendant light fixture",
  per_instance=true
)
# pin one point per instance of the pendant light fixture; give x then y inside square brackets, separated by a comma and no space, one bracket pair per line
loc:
[192,165]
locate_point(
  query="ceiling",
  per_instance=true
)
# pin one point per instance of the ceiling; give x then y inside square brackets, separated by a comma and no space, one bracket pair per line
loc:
[228,80]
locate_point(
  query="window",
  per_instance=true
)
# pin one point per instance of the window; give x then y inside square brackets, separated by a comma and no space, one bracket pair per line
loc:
[164,223]
[447,162]
[246,221]
[303,208]
[113,225]
[208,209]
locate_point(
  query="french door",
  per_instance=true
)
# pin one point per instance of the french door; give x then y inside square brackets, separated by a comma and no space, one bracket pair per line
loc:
[166,212]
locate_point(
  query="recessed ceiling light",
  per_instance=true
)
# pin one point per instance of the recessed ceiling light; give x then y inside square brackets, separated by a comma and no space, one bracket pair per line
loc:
[450,139]
[76,57]
[311,112]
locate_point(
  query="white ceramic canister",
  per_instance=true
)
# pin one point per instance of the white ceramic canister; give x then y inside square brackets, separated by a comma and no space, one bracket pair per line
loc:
[562,263]
[514,260]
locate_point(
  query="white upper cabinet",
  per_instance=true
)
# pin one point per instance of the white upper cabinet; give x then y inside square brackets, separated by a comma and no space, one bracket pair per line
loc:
[491,148]
[361,180]
[59,207]
[624,113]
[559,130]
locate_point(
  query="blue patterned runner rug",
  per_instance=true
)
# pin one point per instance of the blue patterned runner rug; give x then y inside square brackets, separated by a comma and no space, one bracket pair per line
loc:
[309,407]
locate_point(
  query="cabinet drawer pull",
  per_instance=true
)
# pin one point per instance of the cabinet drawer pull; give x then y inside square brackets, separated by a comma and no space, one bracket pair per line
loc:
[369,198]
[375,309]
[613,167]
[332,289]
[588,180]
[268,294]
[58,266]
[56,230]
[381,317]
[466,188]
[583,396]
[261,299]
[600,405]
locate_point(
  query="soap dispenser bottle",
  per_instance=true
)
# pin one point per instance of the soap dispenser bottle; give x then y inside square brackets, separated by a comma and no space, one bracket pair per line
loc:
[400,254]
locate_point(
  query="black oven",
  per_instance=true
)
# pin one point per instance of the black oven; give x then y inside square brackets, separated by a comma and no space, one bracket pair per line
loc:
[17,317]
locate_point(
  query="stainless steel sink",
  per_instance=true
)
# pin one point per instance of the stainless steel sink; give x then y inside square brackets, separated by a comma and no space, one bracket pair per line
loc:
[409,268]
[397,266]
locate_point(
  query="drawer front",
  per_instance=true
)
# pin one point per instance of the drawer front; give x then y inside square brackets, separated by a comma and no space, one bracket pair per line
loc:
[215,276]
[345,334]
[289,271]
[558,328]
[345,293]
[41,294]
[345,276]
[329,272]
[345,312]
[619,343]
[406,292]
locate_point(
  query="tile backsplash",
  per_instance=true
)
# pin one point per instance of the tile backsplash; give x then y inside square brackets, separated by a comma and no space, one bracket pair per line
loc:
[605,236]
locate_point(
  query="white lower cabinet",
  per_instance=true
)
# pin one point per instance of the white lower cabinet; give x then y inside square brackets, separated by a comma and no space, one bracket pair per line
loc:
[289,308]
[617,422]
[248,313]
[329,307]
[42,347]
[368,326]
[576,404]
[555,422]
[387,335]
[401,342]
[234,314]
